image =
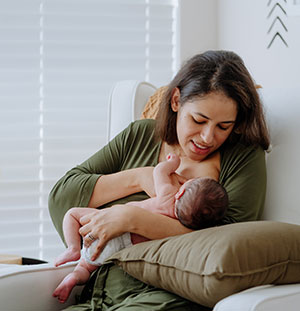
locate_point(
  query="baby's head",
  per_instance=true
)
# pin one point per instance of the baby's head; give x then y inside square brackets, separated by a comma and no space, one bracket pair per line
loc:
[201,203]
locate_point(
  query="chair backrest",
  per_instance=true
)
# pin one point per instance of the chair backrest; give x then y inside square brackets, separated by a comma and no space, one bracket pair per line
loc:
[127,101]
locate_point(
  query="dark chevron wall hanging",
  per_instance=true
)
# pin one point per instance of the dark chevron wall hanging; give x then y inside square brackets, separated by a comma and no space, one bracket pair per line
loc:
[277,17]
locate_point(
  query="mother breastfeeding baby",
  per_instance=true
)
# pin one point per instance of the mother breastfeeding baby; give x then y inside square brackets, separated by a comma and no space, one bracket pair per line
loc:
[211,110]
[199,203]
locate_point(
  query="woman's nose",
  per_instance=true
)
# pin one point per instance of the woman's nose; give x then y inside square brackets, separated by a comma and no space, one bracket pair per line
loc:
[207,135]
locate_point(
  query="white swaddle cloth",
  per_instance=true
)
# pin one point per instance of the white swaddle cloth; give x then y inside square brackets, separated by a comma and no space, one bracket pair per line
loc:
[111,247]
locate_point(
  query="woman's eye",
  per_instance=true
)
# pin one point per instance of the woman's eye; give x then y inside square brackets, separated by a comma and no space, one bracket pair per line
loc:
[198,122]
[223,128]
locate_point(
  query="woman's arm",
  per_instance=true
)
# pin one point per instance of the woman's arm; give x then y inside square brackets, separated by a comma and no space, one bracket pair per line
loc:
[243,174]
[108,223]
[120,168]
[121,184]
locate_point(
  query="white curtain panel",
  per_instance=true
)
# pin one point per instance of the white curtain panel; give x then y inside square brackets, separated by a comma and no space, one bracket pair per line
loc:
[58,61]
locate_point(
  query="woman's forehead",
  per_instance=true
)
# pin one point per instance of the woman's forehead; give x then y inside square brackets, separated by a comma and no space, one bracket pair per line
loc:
[212,106]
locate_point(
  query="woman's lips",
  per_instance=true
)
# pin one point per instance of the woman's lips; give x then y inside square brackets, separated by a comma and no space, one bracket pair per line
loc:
[200,149]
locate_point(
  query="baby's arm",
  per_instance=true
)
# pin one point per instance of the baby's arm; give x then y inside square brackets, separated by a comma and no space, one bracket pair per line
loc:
[162,174]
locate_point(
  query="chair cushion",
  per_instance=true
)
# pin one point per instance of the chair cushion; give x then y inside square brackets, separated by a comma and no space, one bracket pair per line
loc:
[208,265]
[152,106]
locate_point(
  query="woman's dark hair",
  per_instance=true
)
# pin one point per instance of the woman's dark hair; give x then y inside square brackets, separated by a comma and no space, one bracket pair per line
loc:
[217,71]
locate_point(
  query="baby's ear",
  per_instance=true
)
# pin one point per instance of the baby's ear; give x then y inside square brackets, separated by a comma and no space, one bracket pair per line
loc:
[179,194]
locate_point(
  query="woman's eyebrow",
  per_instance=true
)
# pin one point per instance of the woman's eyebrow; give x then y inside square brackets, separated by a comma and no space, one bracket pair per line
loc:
[203,115]
[228,122]
[206,117]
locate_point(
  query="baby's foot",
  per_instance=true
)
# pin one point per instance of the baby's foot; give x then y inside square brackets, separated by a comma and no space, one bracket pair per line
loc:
[63,290]
[70,254]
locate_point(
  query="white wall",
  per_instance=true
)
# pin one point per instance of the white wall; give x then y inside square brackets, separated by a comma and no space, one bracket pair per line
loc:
[198,27]
[242,26]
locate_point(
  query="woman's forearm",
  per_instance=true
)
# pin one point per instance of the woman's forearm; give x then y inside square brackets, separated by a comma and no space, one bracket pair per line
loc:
[118,185]
[152,226]
[107,223]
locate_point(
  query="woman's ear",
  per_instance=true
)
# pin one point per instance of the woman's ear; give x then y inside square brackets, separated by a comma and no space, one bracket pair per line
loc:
[238,129]
[175,99]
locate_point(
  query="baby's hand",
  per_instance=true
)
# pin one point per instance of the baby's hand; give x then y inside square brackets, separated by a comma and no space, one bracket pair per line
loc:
[171,156]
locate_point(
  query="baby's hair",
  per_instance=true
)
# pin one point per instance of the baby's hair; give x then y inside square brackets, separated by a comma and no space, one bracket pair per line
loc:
[203,204]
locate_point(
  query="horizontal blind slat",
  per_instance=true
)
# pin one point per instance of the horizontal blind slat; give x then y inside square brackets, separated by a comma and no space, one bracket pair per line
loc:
[58,61]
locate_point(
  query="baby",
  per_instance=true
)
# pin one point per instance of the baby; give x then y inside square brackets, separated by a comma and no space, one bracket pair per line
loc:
[199,203]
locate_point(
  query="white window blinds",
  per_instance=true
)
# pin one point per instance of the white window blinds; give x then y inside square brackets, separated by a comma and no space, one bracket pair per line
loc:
[58,61]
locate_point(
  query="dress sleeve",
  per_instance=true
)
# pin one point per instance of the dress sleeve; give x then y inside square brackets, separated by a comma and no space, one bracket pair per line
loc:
[243,174]
[75,188]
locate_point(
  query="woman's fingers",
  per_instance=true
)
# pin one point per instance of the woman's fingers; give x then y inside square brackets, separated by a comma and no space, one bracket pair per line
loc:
[85,229]
[103,225]
[98,249]
[89,239]
[88,217]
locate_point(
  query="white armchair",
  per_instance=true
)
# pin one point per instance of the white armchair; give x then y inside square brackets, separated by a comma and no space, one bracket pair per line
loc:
[30,287]
[127,101]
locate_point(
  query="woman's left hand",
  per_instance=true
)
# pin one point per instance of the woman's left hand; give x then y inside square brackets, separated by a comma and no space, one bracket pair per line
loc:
[103,225]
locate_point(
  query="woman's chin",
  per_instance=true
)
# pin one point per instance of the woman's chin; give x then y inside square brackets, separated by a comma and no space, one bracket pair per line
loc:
[197,157]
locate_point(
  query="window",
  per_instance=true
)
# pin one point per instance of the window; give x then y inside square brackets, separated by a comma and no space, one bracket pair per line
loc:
[58,61]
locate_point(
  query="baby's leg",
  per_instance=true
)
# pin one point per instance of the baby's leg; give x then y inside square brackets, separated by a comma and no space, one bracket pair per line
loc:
[79,276]
[71,227]
[70,254]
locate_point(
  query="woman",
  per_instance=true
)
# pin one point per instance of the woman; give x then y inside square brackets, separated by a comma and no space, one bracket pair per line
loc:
[211,105]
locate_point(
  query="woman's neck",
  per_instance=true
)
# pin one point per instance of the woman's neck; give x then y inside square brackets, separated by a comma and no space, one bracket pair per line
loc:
[190,168]
[166,149]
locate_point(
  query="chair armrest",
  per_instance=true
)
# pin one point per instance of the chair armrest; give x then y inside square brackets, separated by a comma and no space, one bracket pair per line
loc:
[263,298]
[30,287]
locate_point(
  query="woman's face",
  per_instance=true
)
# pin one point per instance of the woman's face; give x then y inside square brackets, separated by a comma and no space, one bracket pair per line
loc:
[203,124]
